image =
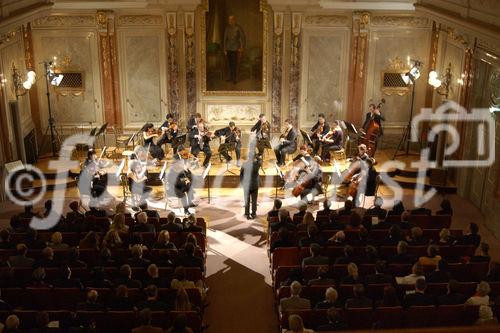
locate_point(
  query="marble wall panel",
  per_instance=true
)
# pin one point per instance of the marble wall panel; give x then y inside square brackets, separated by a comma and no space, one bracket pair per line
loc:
[386,45]
[74,51]
[324,83]
[141,70]
[241,114]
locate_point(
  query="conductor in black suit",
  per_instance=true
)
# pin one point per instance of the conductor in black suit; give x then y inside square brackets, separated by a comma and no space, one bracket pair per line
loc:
[249,179]
[288,143]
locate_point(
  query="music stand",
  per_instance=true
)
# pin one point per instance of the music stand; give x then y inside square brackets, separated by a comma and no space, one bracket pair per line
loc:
[206,175]
[306,138]
[282,178]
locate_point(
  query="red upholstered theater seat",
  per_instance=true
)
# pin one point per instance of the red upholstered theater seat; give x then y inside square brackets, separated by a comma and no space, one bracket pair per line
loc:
[312,319]
[388,317]
[281,274]
[419,316]
[376,291]
[359,318]
[450,315]
[285,256]
[193,319]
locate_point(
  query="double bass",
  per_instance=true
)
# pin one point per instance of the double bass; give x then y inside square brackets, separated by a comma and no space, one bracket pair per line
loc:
[372,133]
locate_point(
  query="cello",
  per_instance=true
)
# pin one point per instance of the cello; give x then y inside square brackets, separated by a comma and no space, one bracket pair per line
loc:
[372,132]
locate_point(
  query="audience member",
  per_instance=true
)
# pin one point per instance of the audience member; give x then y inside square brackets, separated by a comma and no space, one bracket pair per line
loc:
[98,279]
[348,256]
[5,243]
[295,274]
[296,325]
[316,258]
[486,316]
[335,321]
[294,302]
[472,236]
[359,300]
[153,278]
[142,224]
[12,324]
[347,210]
[440,274]
[323,278]
[417,273]
[284,221]
[180,280]
[331,300]
[313,236]
[352,276]
[390,298]
[484,253]
[136,259]
[371,255]
[445,237]
[397,209]
[180,325]
[419,297]
[145,320]
[152,301]
[112,240]
[189,259]
[118,224]
[125,277]
[380,275]
[91,303]
[163,241]
[402,256]
[47,259]
[274,212]
[171,225]
[416,237]
[453,296]
[481,297]
[121,301]
[182,302]
[20,259]
[299,216]
[377,209]
[445,208]
[65,279]
[91,241]
[282,241]
[432,258]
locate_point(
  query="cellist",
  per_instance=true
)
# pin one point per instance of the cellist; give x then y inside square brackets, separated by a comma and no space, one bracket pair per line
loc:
[373,117]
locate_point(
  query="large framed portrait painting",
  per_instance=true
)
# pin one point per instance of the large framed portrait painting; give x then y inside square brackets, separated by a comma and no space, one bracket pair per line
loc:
[234,47]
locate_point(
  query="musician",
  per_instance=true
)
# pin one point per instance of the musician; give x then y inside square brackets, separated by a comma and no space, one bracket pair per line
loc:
[250,181]
[180,179]
[320,129]
[92,181]
[232,141]
[137,180]
[362,153]
[312,180]
[193,121]
[288,143]
[373,113]
[169,130]
[149,134]
[333,140]
[200,138]
[304,153]
[262,130]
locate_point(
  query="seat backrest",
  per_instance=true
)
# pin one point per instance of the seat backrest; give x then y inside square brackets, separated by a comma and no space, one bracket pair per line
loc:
[359,318]
[450,315]
[388,317]
[288,256]
[419,316]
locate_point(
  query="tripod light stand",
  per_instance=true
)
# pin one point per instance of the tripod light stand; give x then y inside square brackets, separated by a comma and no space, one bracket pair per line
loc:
[409,78]
[54,80]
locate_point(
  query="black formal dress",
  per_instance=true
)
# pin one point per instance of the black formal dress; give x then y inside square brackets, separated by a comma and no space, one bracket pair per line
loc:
[336,142]
[155,150]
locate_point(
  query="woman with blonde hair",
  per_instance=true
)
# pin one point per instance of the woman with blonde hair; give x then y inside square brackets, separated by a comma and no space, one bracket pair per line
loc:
[445,237]
[112,240]
[118,224]
[352,275]
[191,238]
[296,325]
[308,219]
[56,241]
[182,302]
[163,241]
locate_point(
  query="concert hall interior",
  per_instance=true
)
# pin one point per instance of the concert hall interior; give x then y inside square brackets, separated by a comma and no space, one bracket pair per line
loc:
[249,166]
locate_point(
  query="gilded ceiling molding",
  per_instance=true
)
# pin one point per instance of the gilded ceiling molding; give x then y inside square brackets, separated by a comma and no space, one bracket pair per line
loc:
[327,20]
[8,36]
[140,20]
[401,21]
[65,21]
[459,37]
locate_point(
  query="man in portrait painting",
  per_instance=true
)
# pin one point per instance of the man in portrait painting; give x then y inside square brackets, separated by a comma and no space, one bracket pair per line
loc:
[233,45]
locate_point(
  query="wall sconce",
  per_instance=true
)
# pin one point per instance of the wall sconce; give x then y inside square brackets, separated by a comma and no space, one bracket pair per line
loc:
[22,87]
[442,87]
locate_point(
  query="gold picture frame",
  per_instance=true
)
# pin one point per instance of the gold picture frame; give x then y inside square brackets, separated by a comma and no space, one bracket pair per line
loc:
[263,7]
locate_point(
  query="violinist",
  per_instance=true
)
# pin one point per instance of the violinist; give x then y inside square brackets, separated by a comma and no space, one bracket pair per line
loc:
[288,143]
[333,140]
[318,131]
[200,141]
[232,135]
[137,180]
[169,130]
[304,153]
[149,134]
[362,153]
[262,130]
[193,121]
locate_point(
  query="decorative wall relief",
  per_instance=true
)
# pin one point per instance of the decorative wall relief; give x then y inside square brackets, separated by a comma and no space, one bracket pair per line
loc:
[295,66]
[357,71]
[190,62]
[401,21]
[277,71]
[65,21]
[241,114]
[329,20]
[109,67]
[173,68]
[140,20]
